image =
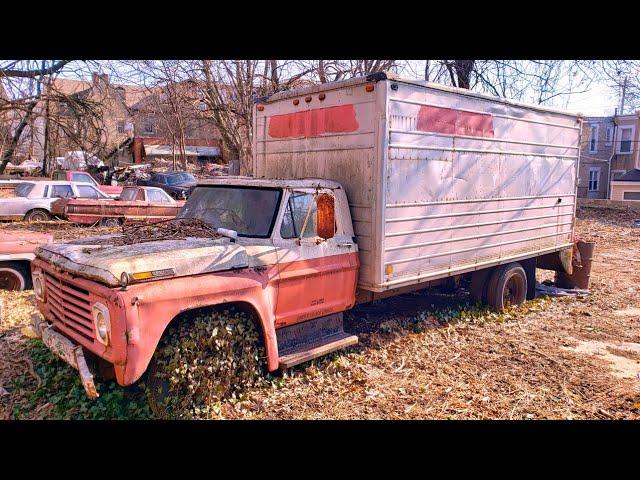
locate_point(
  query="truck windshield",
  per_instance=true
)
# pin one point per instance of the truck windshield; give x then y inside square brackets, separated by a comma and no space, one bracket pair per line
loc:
[180,178]
[249,211]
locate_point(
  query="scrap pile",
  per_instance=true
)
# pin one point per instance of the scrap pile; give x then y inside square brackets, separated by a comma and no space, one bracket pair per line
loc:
[174,229]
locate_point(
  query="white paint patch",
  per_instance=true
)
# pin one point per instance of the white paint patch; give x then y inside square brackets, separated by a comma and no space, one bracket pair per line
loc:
[621,367]
[628,312]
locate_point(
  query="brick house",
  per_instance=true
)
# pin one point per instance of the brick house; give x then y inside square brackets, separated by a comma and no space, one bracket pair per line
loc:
[170,125]
[597,146]
[609,148]
[626,156]
[126,111]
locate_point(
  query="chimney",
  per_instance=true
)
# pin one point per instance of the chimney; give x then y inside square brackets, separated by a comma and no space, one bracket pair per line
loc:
[100,77]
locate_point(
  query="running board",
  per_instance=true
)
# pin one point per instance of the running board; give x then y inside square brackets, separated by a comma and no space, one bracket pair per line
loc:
[305,341]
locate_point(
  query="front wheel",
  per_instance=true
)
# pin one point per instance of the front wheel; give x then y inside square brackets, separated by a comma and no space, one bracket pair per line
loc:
[507,287]
[203,359]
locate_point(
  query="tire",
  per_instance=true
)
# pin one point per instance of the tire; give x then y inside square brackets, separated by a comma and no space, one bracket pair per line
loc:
[479,283]
[507,287]
[37,215]
[202,359]
[14,276]
[111,222]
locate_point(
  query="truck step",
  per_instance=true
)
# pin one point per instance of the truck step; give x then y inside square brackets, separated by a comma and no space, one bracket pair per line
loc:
[307,340]
[309,352]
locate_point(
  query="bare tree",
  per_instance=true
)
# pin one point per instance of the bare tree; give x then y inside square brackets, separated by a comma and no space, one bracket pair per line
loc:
[28,89]
[533,81]
[623,78]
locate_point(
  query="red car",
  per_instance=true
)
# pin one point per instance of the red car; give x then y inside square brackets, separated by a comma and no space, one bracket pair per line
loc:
[136,204]
[84,177]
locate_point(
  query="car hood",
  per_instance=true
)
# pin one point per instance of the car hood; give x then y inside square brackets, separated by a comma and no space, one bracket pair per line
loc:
[104,262]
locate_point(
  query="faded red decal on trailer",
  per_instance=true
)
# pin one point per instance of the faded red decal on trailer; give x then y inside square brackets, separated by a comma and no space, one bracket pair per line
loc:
[454,122]
[312,123]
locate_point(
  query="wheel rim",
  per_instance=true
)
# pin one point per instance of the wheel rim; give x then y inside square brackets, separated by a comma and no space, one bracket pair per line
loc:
[111,222]
[10,280]
[513,293]
[38,217]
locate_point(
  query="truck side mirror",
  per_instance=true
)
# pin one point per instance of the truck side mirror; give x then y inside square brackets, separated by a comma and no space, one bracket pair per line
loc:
[326,217]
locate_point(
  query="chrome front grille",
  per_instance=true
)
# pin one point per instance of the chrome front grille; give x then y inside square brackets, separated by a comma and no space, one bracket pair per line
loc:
[69,306]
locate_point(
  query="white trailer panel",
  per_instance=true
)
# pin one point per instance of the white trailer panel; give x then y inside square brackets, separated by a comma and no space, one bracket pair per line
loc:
[441,181]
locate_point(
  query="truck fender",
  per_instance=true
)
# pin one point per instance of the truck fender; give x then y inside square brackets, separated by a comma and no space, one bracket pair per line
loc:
[159,310]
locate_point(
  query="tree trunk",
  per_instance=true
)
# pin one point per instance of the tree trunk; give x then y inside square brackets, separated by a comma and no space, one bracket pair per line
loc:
[8,153]
[463,69]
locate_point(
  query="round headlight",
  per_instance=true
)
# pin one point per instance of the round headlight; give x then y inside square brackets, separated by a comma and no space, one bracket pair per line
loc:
[38,287]
[101,323]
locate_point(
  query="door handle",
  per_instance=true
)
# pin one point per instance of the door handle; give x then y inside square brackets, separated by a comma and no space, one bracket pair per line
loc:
[345,244]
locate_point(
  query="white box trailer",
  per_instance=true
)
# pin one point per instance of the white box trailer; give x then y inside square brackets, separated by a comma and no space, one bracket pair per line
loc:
[441,181]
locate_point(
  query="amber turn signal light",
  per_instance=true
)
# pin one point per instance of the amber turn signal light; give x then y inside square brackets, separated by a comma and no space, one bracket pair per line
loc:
[369,88]
[260,108]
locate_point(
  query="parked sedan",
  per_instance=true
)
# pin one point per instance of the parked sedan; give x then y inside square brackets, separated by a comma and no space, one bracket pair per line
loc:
[177,184]
[136,204]
[32,200]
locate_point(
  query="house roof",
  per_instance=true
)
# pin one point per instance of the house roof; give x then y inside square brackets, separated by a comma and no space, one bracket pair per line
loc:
[630,176]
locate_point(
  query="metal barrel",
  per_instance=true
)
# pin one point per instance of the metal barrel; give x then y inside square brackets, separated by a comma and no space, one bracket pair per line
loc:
[581,275]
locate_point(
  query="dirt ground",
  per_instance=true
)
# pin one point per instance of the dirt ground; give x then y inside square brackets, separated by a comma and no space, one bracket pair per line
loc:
[420,356]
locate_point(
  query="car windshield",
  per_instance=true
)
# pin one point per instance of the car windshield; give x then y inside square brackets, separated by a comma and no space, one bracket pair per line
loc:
[24,189]
[249,211]
[180,178]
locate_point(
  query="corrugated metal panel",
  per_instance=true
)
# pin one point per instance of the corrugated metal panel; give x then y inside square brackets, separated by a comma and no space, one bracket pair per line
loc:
[439,181]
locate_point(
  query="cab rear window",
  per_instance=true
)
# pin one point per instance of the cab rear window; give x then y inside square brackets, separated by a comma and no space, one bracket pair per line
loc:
[24,189]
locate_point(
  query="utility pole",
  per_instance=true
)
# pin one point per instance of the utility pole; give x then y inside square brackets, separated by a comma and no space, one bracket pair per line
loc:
[624,92]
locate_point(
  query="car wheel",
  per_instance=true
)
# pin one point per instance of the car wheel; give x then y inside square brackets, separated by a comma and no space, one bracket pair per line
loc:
[111,222]
[37,215]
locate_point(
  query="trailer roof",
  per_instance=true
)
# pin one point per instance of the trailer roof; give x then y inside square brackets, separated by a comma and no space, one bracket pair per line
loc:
[269,182]
[380,76]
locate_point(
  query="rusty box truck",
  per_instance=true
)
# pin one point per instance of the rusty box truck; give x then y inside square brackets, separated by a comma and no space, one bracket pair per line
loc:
[362,189]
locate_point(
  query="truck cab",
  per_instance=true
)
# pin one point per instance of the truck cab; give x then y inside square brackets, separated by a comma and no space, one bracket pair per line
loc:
[285,252]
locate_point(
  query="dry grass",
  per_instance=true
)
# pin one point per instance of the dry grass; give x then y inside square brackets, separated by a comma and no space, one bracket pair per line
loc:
[433,356]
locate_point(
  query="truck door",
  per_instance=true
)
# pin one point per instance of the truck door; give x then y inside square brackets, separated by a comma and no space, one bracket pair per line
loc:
[317,264]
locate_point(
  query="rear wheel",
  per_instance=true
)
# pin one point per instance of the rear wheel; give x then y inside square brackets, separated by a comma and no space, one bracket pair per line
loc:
[37,215]
[202,359]
[111,222]
[507,287]
[478,288]
[14,276]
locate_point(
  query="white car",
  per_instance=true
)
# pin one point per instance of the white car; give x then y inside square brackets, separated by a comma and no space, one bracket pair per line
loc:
[32,200]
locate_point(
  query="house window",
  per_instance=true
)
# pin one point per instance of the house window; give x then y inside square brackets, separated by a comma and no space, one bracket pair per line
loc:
[593,139]
[148,128]
[594,179]
[609,139]
[625,140]
[120,126]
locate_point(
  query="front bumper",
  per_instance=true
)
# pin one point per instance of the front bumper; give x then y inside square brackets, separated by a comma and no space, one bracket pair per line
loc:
[67,350]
